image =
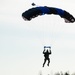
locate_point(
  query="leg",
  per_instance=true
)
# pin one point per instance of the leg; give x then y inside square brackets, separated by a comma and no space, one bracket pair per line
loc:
[44,62]
[48,61]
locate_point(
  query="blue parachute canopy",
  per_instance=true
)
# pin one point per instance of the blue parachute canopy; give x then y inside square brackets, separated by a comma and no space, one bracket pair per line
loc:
[42,10]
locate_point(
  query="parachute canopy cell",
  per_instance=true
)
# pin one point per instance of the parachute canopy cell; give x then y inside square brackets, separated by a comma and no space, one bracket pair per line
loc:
[42,10]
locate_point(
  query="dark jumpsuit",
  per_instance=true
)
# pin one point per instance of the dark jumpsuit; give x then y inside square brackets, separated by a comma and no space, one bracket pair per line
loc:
[46,55]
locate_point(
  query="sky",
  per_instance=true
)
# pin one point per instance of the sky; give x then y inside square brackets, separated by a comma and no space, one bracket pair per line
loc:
[22,42]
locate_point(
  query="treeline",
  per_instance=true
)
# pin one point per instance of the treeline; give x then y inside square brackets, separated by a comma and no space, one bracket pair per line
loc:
[66,73]
[60,73]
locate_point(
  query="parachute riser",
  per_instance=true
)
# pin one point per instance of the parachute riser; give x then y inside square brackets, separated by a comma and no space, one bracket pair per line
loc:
[47,48]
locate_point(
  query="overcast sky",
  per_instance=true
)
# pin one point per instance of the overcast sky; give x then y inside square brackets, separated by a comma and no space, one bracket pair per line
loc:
[22,42]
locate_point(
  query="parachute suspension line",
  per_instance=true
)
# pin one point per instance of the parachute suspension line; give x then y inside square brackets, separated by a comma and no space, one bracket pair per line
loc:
[47,32]
[50,33]
[58,29]
[53,30]
[44,33]
[38,29]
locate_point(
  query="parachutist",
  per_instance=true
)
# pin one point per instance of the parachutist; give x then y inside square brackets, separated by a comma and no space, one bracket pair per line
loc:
[46,55]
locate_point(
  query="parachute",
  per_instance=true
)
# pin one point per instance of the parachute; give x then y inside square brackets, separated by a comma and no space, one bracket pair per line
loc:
[42,10]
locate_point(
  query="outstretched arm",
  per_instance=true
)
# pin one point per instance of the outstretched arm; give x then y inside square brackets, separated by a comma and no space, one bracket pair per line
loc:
[44,51]
[50,52]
